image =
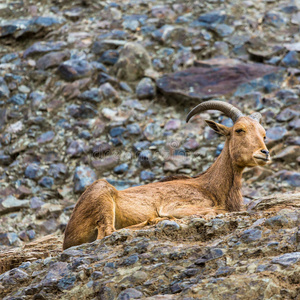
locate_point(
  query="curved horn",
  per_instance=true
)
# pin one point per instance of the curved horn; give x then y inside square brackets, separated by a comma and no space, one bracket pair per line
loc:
[256,116]
[229,110]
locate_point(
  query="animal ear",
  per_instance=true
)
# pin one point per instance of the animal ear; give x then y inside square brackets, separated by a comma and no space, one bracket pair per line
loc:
[219,128]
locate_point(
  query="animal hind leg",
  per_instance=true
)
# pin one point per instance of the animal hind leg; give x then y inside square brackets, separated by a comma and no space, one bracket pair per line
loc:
[152,221]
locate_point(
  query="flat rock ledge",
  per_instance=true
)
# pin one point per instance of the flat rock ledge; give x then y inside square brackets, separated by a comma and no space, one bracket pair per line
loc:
[253,254]
[218,77]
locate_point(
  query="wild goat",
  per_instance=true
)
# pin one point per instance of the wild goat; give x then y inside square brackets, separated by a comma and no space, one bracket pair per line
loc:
[102,209]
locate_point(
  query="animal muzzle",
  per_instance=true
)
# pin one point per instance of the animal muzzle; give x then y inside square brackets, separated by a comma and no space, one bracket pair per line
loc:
[262,155]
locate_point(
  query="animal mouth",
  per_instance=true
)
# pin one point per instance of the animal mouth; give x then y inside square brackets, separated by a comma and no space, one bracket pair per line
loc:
[264,158]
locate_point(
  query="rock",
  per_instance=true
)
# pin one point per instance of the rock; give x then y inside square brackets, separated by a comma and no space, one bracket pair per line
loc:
[291,59]
[50,60]
[17,99]
[147,175]
[169,226]
[19,28]
[177,162]
[43,47]
[76,148]
[287,259]
[286,115]
[11,203]
[276,133]
[210,79]
[251,235]
[292,178]
[173,124]
[106,163]
[152,131]
[46,182]
[109,57]
[83,177]
[121,169]
[289,154]
[91,95]
[46,137]
[73,69]
[133,129]
[33,171]
[131,260]
[130,293]
[139,146]
[109,92]
[117,131]
[146,89]
[58,171]
[132,62]
[9,239]
[4,91]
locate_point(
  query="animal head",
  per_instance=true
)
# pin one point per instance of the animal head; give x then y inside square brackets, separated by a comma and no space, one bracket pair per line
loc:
[245,138]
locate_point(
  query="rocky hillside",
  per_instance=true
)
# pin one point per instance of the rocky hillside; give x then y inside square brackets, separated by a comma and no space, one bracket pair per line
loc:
[100,89]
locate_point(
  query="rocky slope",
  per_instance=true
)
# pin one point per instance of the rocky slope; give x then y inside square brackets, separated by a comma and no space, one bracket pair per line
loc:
[93,89]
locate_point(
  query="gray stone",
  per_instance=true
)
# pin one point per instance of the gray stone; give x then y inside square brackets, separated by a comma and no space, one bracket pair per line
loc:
[83,177]
[132,63]
[146,89]
[287,259]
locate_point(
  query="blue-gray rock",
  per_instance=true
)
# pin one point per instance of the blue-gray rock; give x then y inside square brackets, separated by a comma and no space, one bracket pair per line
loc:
[17,99]
[9,238]
[73,69]
[292,59]
[132,25]
[134,129]
[147,175]
[274,19]
[131,260]
[11,203]
[76,148]
[222,30]
[287,259]
[18,28]
[52,59]
[139,146]
[211,254]
[46,137]
[292,178]
[109,92]
[212,17]
[36,203]
[91,95]
[121,169]
[117,131]
[251,235]
[286,115]
[33,171]
[9,57]
[152,131]
[46,182]
[169,226]
[67,282]
[43,47]
[130,293]
[104,77]
[109,57]
[276,133]
[58,171]
[83,177]
[224,271]
[37,98]
[277,221]
[4,91]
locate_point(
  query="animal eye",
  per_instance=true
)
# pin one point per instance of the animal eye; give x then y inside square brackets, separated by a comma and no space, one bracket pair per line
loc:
[264,137]
[239,130]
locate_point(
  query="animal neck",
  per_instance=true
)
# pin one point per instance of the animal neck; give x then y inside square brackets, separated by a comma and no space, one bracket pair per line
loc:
[223,182]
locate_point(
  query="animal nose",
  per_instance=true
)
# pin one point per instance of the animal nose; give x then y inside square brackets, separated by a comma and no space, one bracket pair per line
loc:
[266,152]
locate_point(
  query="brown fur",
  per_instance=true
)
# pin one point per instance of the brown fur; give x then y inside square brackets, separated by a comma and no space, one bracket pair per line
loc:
[102,209]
